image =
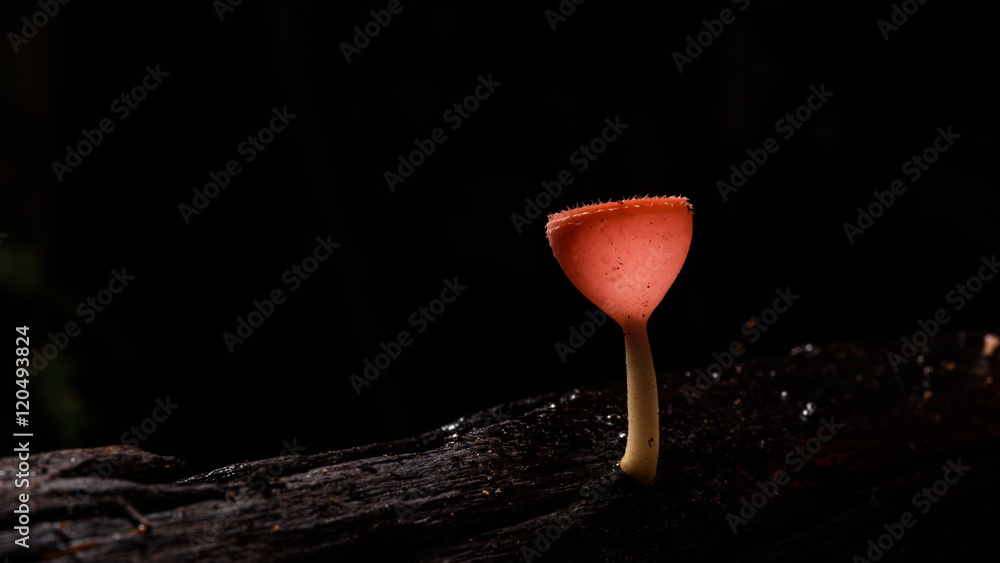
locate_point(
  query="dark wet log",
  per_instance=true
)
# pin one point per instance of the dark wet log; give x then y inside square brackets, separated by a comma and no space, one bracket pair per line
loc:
[493,485]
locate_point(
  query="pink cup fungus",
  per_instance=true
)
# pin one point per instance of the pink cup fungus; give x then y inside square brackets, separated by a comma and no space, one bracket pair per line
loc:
[624,256]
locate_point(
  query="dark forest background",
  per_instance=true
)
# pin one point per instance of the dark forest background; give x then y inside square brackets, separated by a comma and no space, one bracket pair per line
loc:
[162,336]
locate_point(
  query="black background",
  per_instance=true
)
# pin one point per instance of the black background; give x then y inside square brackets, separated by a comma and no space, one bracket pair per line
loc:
[323,175]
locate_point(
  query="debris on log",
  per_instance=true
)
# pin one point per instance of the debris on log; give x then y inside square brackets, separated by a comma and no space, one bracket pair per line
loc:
[813,456]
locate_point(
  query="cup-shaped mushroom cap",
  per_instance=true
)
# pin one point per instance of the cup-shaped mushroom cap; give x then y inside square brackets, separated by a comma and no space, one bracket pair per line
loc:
[623,255]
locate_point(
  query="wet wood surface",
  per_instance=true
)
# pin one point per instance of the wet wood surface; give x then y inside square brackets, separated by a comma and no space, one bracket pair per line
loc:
[850,443]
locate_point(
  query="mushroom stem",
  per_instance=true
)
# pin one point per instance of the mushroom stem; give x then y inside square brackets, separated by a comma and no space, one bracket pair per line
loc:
[643,442]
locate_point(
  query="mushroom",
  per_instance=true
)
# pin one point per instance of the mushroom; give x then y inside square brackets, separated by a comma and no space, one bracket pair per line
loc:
[624,256]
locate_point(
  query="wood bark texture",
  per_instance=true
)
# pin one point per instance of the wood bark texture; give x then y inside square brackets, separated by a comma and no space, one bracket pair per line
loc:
[537,480]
